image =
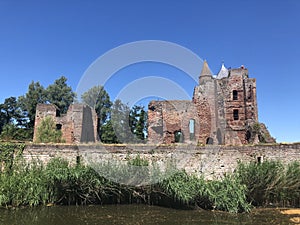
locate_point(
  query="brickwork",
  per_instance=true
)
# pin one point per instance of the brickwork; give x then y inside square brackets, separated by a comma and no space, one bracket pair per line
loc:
[78,125]
[224,109]
[212,162]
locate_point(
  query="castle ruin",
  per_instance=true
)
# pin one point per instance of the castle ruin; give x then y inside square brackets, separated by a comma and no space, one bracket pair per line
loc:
[223,111]
[78,125]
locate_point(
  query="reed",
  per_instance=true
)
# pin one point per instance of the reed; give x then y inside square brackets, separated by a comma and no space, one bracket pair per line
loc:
[271,183]
[60,183]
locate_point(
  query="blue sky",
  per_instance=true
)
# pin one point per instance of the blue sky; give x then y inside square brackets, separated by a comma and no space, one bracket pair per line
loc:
[42,40]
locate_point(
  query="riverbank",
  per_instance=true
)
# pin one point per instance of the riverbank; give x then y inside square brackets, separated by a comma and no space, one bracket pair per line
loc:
[60,183]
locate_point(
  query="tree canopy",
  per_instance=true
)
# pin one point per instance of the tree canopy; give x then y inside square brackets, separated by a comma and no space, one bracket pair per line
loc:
[60,94]
[28,102]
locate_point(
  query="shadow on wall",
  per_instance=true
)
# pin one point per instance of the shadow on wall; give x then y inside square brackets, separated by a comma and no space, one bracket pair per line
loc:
[87,134]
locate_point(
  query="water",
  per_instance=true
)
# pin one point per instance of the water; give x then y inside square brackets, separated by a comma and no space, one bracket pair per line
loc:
[134,214]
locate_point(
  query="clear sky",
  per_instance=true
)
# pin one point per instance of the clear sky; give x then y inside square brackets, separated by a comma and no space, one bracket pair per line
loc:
[42,40]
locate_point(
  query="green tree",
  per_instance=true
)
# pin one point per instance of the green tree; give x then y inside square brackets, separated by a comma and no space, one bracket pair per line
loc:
[107,134]
[120,121]
[10,112]
[28,102]
[98,98]
[13,121]
[137,122]
[60,94]
[47,132]
[13,132]
[141,127]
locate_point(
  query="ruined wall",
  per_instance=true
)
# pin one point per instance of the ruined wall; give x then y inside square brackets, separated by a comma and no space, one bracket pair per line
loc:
[166,118]
[79,124]
[224,110]
[210,161]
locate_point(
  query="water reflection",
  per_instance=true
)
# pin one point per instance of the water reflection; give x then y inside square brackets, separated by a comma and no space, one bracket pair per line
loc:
[133,214]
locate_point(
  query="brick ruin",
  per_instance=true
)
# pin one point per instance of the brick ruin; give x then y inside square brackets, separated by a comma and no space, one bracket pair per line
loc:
[78,125]
[223,111]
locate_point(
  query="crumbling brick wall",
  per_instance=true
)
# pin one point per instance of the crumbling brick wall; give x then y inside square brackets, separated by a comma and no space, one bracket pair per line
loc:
[79,124]
[223,110]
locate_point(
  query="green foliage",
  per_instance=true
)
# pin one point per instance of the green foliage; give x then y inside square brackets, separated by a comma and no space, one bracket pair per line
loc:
[56,183]
[138,161]
[60,94]
[137,123]
[227,194]
[12,132]
[256,128]
[107,133]
[10,113]
[116,129]
[271,182]
[61,183]
[46,131]
[35,94]
[98,98]
[9,151]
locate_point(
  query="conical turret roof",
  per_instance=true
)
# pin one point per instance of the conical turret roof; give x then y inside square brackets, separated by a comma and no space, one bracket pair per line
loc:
[223,72]
[205,70]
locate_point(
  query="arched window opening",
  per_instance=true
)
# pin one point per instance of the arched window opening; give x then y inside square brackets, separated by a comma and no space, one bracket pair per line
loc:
[236,114]
[178,136]
[209,141]
[192,129]
[234,95]
[248,135]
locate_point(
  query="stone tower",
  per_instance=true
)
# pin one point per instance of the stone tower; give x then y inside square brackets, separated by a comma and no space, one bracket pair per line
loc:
[223,111]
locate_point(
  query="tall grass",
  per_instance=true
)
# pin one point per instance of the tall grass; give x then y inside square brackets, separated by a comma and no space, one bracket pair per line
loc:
[271,183]
[227,194]
[59,183]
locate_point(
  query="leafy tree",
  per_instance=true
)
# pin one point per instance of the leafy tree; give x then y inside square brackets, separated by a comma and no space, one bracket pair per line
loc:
[141,127]
[107,134]
[98,98]
[35,94]
[60,94]
[47,132]
[12,121]
[13,132]
[2,118]
[9,110]
[120,121]
[10,113]
[137,122]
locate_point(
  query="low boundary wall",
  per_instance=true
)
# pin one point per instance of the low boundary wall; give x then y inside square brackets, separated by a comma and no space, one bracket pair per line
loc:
[210,161]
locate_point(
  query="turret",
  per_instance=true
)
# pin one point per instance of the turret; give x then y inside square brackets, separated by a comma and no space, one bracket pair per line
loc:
[205,74]
[223,72]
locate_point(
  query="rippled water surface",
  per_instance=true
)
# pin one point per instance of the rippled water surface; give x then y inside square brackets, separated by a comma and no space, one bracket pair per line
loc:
[134,214]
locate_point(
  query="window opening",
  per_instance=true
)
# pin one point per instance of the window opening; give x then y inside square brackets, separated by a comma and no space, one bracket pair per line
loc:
[235,95]
[236,114]
[209,141]
[192,129]
[58,126]
[178,136]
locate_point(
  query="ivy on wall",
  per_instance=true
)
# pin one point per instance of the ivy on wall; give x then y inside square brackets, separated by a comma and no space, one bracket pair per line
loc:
[8,152]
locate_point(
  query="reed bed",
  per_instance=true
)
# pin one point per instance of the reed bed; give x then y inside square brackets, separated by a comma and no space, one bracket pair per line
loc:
[252,184]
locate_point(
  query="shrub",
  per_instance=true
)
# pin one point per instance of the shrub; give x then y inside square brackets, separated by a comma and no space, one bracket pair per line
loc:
[47,132]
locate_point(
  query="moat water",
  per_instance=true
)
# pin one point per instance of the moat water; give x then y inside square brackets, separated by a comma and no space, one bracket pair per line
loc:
[134,214]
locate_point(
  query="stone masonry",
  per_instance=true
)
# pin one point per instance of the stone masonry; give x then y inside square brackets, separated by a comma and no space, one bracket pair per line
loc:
[223,111]
[213,162]
[78,125]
